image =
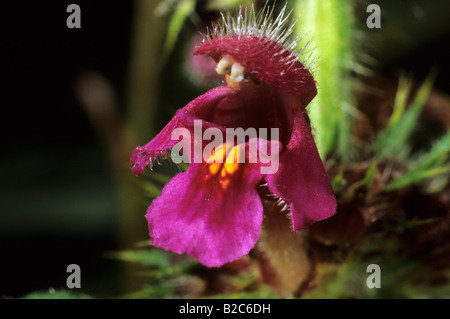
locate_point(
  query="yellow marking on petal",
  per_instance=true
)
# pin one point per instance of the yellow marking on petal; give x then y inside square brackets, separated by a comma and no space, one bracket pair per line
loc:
[216,159]
[224,183]
[218,154]
[223,172]
[214,168]
[224,162]
[230,168]
[231,163]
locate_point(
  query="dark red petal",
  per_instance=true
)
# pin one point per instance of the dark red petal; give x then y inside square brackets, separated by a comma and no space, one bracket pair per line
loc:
[302,181]
[268,60]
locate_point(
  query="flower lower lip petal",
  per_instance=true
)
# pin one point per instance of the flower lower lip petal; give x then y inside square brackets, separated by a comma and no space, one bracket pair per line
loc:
[213,224]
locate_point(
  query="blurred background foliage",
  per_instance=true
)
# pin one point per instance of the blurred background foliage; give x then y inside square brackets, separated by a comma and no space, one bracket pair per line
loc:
[78,101]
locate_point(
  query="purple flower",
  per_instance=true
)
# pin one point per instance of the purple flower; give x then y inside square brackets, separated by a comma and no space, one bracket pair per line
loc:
[213,211]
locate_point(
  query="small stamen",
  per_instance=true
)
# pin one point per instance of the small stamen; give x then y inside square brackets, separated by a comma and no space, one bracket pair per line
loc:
[224,65]
[237,73]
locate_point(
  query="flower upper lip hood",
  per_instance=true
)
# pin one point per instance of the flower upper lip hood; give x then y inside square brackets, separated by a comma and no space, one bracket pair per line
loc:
[213,211]
[266,59]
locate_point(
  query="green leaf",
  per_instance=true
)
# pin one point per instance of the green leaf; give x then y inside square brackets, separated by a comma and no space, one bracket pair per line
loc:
[262,293]
[330,25]
[228,4]
[415,176]
[338,182]
[432,164]
[151,189]
[55,294]
[159,177]
[183,9]
[150,257]
[165,290]
[393,141]
[371,172]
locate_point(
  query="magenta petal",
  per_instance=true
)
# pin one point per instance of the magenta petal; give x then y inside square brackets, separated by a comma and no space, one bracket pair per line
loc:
[195,215]
[302,181]
[200,108]
[145,155]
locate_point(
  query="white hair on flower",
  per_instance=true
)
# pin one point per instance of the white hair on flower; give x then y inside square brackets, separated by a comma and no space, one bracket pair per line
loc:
[263,25]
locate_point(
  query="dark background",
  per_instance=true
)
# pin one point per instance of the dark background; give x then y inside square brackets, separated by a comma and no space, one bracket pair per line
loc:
[57,202]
